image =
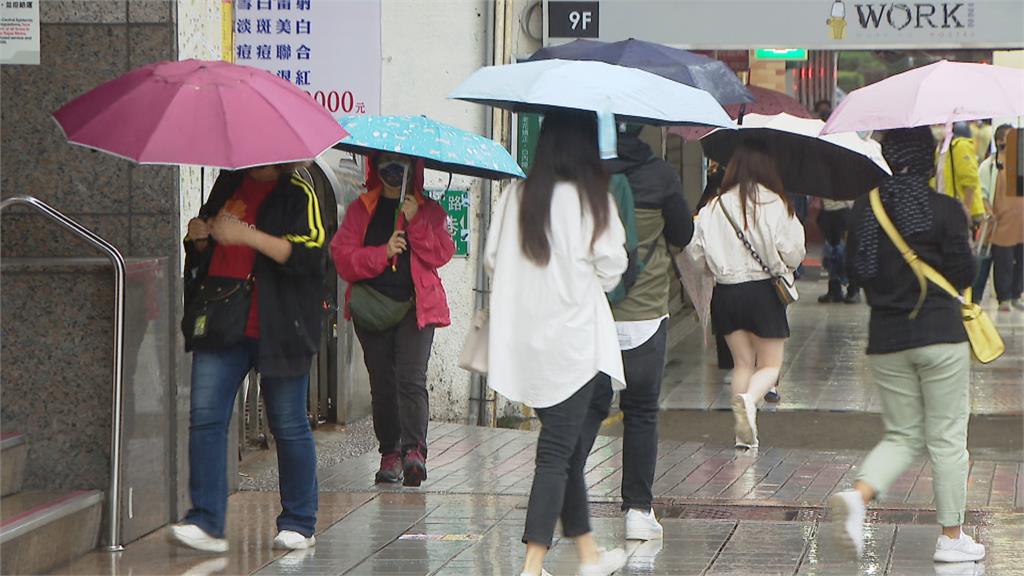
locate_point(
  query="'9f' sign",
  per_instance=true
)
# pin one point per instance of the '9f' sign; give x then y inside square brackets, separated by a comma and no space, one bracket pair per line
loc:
[573,19]
[580,20]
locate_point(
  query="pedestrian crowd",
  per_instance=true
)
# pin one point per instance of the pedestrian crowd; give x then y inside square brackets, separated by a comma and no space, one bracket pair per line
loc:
[580,254]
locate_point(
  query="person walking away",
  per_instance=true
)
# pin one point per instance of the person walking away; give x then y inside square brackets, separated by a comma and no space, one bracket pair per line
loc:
[917,351]
[389,249]
[988,172]
[832,222]
[745,306]
[260,239]
[556,247]
[641,319]
[714,182]
[960,172]
[1008,239]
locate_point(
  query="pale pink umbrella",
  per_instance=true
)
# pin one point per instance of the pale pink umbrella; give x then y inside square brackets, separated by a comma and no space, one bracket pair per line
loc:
[940,93]
[699,285]
[204,113]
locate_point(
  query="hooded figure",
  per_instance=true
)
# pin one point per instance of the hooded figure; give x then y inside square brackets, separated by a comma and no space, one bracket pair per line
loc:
[641,318]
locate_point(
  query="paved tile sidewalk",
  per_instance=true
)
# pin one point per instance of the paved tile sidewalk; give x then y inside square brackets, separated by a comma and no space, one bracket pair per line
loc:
[825,367]
[472,460]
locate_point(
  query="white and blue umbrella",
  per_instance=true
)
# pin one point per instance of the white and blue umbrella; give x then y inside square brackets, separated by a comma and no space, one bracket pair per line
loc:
[442,147]
[630,94]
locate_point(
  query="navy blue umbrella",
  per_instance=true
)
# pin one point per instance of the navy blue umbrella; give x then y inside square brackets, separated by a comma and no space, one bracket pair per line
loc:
[677,65]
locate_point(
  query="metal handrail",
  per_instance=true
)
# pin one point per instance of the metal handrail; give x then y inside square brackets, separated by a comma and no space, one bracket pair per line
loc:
[114,498]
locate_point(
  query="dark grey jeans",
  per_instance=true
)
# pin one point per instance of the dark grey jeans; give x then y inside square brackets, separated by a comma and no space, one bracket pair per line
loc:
[397,362]
[559,486]
[1008,265]
[645,368]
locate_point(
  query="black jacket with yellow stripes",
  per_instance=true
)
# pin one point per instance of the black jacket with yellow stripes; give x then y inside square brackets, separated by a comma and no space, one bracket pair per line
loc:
[290,295]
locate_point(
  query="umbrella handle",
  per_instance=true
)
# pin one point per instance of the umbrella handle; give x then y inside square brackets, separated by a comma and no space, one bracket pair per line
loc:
[398,214]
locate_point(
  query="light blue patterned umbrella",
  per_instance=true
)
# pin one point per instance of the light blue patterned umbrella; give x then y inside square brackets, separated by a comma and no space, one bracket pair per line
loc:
[442,147]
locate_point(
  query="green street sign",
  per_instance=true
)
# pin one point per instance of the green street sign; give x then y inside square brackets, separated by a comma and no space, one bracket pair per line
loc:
[527,133]
[780,54]
[456,204]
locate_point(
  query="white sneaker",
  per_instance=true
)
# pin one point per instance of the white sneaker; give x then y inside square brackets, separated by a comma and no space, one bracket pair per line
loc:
[607,564]
[543,572]
[291,540]
[847,510]
[192,536]
[642,525]
[963,549]
[745,411]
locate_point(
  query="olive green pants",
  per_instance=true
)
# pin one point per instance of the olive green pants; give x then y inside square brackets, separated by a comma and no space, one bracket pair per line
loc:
[925,395]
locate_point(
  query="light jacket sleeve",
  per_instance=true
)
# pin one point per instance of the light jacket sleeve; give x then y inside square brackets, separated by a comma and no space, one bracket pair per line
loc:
[428,236]
[789,240]
[353,261]
[494,232]
[609,251]
[695,249]
[307,234]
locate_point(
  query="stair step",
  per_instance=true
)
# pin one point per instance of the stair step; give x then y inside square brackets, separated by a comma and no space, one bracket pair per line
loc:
[13,457]
[41,530]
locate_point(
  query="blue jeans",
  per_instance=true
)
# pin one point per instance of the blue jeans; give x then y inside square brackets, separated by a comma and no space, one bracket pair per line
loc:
[216,376]
[834,260]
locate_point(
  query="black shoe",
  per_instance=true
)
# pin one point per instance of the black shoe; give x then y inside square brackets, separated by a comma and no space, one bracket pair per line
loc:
[834,294]
[852,297]
[772,396]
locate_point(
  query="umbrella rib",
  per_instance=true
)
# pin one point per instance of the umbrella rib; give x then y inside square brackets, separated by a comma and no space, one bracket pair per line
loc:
[289,124]
[159,123]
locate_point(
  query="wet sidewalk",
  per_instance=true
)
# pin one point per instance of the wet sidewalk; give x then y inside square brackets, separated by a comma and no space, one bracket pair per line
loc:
[724,511]
[825,367]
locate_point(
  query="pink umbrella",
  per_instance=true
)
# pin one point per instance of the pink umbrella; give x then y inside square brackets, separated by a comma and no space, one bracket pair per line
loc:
[766,102]
[699,285]
[940,93]
[205,113]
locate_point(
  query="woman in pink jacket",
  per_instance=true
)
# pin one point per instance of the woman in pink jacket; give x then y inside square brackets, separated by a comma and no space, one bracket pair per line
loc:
[389,255]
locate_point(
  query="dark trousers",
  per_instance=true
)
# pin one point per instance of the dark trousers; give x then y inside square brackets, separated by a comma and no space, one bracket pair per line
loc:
[834,225]
[559,485]
[645,368]
[1008,264]
[397,362]
[981,280]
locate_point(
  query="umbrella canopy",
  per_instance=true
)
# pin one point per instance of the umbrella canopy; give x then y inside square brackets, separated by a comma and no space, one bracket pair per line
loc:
[442,147]
[766,102]
[839,166]
[939,93]
[682,66]
[205,113]
[632,95]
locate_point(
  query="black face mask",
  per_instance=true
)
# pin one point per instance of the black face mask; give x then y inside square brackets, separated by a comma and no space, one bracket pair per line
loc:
[392,174]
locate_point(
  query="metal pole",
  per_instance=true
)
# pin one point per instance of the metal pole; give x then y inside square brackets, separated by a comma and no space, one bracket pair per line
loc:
[114,496]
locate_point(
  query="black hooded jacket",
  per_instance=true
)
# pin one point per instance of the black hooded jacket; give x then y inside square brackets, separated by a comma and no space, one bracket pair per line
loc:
[661,216]
[291,295]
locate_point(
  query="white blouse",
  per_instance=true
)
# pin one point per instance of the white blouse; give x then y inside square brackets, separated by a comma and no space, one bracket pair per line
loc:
[551,328]
[777,236]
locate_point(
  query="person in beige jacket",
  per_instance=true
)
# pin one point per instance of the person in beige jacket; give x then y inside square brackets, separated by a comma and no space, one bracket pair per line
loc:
[1008,239]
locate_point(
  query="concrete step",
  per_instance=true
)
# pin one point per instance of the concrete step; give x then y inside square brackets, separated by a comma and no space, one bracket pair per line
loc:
[13,455]
[42,530]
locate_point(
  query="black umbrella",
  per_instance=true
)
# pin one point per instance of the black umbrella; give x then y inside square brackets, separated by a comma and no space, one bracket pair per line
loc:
[677,65]
[835,166]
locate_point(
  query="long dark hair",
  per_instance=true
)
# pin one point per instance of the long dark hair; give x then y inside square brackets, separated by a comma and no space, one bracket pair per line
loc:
[753,164]
[566,151]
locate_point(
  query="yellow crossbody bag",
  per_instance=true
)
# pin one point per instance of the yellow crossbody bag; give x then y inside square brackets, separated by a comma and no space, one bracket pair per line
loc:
[986,343]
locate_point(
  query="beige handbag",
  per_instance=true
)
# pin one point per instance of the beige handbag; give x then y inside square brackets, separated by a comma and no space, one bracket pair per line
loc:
[474,356]
[474,351]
